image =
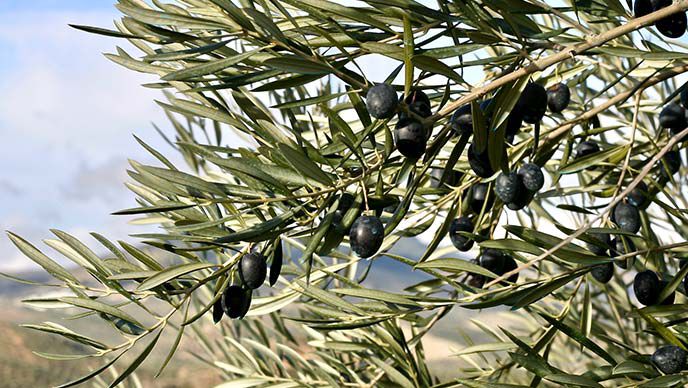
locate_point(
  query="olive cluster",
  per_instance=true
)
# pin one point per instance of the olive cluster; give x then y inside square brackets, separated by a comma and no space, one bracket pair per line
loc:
[672,26]
[410,135]
[252,269]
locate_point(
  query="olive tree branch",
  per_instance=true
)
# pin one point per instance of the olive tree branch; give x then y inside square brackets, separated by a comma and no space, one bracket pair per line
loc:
[566,53]
[648,166]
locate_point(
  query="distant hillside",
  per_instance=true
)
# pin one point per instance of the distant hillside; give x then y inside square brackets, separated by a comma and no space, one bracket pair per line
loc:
[21,368]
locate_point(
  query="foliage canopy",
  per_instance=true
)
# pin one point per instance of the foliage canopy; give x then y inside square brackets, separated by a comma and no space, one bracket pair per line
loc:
[267,100]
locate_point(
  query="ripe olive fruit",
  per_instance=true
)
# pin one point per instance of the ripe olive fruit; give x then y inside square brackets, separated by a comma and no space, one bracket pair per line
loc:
[673,26]
[627,217]
[480,162]
[644,7]
[522,199]
[670,164]
[558,97]
[684,95]
[276,265]
[670,359]
[492,260]
[480,194]
[622,246]
[639,196]
[647,287]
[253,269]
[513,125]
[603,273]
[346,200]
[498,263]
[585,148]
[410,138]
[366,236]
[218,312]
[507,186]
[673,117]
[381,101]
[462,120]
[604,241]
[533,103]
[461,224]
[531,176]
[452,179]
[510,265]
[236,301]
[419,103]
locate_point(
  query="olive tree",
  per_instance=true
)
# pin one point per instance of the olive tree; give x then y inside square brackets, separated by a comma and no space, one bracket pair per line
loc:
[535,145]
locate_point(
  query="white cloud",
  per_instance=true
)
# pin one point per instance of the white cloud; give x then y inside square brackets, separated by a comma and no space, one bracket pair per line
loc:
[66,119]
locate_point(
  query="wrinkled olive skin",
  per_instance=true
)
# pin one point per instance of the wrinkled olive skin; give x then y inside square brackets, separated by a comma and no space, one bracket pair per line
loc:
[480,194]
[673,26]
[366,236]
[507,186]
[480,162]
[381,101]
[647,287]
[605,241]
[410,138]
[621,246]
[558,97]
[586,148]
[603,273]
[627,217]
[531,176]
[461,224]
[533,103]
[253,269]
[670,359]
[236,301]
[639,196]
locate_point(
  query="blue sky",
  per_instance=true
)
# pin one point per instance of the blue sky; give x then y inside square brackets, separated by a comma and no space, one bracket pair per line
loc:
[67,115]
